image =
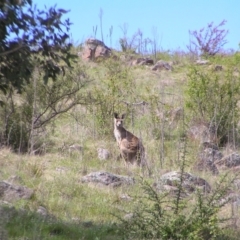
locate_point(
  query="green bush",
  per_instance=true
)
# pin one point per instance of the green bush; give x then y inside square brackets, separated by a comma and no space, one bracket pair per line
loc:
[13,129]
[212,97]
[163,216]
[25,117]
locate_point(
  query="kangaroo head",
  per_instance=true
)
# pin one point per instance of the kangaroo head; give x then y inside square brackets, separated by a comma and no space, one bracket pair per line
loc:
[118,121]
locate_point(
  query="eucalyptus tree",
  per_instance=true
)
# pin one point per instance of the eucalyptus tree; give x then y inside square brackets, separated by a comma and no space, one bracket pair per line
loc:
[37,79]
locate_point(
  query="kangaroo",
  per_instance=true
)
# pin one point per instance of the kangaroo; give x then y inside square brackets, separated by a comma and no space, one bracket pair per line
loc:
[131,148]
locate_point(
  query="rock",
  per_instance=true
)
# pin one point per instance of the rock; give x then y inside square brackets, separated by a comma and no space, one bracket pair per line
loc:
[215,68]
[206,145]
[233,198]
[125,197]
[70,149]
[94,49]
[230,161]
[160,65]
[218,68]
[202,132]
[212,154]
[170,181]
[236,184]
[142,61]
[107,179]
[61,169]
[10,192]
[75,147]
[128,216]
[87,224]
[102,51]
[207,159]
[103,154]
[42,211]
[202,62]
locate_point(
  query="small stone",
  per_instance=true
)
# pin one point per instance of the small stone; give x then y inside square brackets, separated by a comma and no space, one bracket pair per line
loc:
[42,211]
[103,154]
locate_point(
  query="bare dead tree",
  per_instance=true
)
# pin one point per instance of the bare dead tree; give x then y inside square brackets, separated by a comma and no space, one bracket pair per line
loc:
[100,17]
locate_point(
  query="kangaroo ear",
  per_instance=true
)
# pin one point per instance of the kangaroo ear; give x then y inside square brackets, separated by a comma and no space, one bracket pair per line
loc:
[115,115]
[123,115]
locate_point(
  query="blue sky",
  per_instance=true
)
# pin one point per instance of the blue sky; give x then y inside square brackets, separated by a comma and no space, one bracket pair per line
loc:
[171,20]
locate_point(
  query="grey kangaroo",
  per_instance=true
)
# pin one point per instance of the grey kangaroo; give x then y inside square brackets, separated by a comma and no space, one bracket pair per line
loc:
[131,147]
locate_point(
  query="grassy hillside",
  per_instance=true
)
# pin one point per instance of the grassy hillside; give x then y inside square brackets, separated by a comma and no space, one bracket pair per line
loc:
[77,210]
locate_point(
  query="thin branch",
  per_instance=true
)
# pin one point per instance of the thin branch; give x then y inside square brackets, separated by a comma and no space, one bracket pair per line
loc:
[11,51]
[139,103]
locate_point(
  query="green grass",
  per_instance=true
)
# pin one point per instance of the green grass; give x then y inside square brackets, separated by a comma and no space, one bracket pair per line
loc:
[28,225]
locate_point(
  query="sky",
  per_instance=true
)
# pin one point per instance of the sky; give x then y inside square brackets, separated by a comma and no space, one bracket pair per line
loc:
[166,21]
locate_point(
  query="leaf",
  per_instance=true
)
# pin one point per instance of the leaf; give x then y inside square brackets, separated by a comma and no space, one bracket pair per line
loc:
[63,10]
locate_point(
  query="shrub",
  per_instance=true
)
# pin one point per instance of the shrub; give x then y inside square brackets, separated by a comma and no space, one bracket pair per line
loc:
[208,41]
[137,43]
[25,117]
[212,97]
[161,216]
[13,130]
